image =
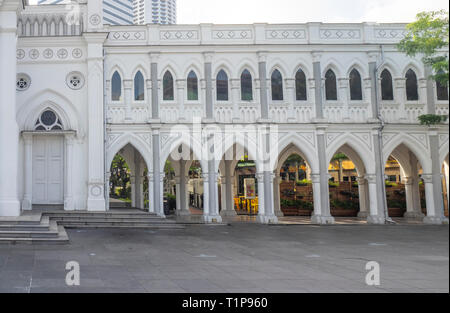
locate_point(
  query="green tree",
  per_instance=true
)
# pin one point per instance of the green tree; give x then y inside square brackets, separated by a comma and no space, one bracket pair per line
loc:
[338,159]
[120,177]
[427,36]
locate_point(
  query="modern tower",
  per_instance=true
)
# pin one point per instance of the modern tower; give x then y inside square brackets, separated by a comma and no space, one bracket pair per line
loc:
[155,11]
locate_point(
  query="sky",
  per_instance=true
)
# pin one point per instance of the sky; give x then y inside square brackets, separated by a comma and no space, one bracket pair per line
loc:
[301,11]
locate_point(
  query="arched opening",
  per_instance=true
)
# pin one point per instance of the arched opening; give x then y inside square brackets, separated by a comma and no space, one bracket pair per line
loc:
[238,190]
[116,87]
[222,86]
[348,188]
[183,184]
[139,90]
[330,86]
[277,86]
[441,89]
[168,87]
[128,182]
[192,86]
[405,188]
[246,86]
[355,85]
[387,90]
[412,93]
[300,86]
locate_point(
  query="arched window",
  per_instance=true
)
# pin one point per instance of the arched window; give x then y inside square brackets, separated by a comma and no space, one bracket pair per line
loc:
[48,121]
[355,85]
[116,87]
[387,91]
[246,86]
[441,90]
[277,86]
[222,86]
[168,90]
[139,93]
[411,86]
[300,86]
[330,85]
[192,86]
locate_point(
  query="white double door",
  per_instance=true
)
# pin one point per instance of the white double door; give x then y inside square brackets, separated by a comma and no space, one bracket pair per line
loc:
[48,170]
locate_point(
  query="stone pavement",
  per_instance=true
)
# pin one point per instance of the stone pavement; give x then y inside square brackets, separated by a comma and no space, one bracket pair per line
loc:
[236,258]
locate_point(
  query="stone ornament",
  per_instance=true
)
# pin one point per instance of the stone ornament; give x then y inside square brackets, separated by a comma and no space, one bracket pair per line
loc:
[75,80]
[23,82]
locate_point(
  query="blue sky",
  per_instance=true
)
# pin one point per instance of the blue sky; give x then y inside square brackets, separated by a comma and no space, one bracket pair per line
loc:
[300,11]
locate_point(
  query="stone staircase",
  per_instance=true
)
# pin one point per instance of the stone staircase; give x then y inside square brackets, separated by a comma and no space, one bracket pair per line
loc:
[123,218]
[32,228]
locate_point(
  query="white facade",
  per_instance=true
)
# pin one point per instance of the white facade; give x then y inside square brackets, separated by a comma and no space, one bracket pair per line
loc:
[60,132]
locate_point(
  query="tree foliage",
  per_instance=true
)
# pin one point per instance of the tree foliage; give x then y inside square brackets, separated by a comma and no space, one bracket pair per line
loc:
[120,177]
[427,36]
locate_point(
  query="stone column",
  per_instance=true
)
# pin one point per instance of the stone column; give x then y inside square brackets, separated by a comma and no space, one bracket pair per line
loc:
[151,193]
[324,216]
[276,196]
[28,172]
[235,97]
[208,85]
[128,98]
[181,87]
[157,190]
[9,131]
[400,96]
[364,202]
[178,194]
[344,95]
[227,192]
[138,183]
[182,195]
[148,85]
[379,195]
[433,184]
[261,198]
[206,201]
[318,96]
[264,94]
[430,92]
[96,156]
[413,210]
[373,112]
[68,181]
[315,179]
[155,90]
[292,98]
[133,191]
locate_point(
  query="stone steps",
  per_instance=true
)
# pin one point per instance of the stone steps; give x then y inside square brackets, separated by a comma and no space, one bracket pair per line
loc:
[32,229]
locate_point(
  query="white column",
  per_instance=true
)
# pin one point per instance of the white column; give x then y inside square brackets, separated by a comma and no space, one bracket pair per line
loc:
[9,131]
[181,87]
[205,177]
[28,172]
[433,215]
[315,179]
[374,217]
[133,191]
[68,192]
[413,209]
[364,201]
[128,98]
[276,196]
[148,84]
[344,96]
[178,194]
[151,202]
[161,194]
[261,197]
[96,169]
[223,198]
[236,98]
[400,97]
[292,98]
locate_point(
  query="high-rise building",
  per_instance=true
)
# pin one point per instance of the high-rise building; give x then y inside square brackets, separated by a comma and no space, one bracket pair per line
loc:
[53,1]
[155,11]
[118,12]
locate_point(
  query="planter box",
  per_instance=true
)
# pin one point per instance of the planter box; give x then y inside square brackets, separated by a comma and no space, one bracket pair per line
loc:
[396,212]
[293,211]
[344,213]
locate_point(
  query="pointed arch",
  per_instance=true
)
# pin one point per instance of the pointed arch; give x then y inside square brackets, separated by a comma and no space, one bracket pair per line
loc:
[136,142]
[300,86]
[139,86]
[277,85]
[355,82]
[222,91]
[387,85]
[168,86]
[412,87]
[330,86]
[116,87]
[192,86]
[246,85]
[306,149]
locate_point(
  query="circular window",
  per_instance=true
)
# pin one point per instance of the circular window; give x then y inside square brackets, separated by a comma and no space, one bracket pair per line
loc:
[75,80]
[23,82]
[47,121]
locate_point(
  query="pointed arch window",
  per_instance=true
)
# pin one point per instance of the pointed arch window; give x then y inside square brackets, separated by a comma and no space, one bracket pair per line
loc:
[222,86]
[330,86]
[139,93]
[441,90]
[48,121]
[300,86]
[277,86]
[192,86]
[116,87]
[412,93]
[168,90]
[387,90]
[246,86]
[355,85]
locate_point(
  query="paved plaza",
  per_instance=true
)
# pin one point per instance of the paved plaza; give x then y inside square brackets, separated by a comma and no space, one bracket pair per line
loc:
[235,258]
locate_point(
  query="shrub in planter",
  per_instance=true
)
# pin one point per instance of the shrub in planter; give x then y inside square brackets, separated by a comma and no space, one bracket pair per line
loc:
[396,204]
[171,201]
[333,184]
[303,182]
[391,184]
[432,119]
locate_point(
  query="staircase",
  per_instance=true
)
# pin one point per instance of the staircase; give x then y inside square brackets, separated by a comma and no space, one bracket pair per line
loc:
[123,218]
[32,228]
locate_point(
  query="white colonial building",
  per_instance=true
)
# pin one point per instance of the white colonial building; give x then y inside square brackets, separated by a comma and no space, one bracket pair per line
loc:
[75,92]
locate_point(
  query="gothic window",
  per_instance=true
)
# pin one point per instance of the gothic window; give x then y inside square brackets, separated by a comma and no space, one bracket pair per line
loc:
[222,86]
[168,89]
[300,86]
[277,86]
[387,91]
[412,93]
[48,121]
[441,90]
[355,85]
[192,86]
[330,86]
[246,86]
[139,93]
[116,87]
